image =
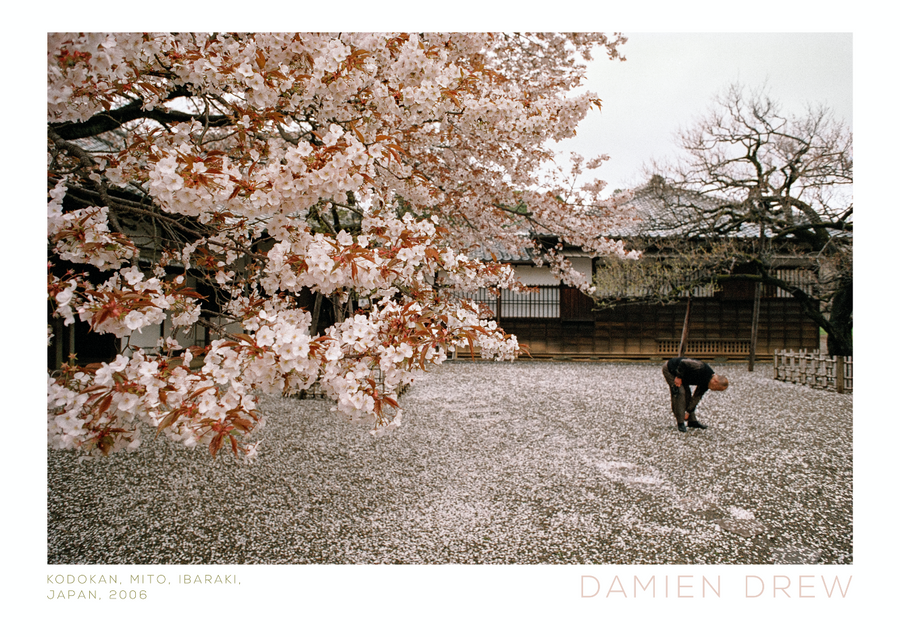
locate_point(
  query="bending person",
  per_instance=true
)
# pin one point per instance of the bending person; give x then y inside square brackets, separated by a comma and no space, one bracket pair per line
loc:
[681,374]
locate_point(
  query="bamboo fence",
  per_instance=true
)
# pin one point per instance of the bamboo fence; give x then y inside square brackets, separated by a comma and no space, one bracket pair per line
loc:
[814,369]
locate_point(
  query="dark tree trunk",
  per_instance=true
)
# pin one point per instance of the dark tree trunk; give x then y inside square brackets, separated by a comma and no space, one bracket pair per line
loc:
[839,325]
[840,337]
[317,310]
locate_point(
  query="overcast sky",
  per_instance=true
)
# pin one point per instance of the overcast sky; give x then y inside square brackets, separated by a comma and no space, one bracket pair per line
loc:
[669,79]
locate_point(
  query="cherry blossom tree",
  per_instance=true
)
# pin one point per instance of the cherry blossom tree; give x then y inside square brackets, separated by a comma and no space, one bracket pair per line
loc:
[233,181]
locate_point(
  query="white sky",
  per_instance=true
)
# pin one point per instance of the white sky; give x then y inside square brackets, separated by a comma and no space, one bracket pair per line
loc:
[669,79]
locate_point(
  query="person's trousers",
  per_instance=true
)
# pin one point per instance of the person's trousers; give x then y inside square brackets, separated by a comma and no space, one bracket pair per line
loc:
[681,396]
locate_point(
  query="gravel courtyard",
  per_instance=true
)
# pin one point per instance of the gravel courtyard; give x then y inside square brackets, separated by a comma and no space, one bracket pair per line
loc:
[504,463]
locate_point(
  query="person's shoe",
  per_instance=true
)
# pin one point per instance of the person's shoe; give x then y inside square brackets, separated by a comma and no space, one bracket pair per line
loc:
[696,425]
[681,427]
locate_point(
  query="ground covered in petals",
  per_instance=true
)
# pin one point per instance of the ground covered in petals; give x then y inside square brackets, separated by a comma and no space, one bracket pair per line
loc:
[505,463]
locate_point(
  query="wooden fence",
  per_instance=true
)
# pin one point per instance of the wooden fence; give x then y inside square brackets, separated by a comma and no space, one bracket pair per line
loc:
[814,369]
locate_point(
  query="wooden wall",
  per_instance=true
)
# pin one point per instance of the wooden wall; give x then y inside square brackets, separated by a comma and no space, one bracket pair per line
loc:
[718,328]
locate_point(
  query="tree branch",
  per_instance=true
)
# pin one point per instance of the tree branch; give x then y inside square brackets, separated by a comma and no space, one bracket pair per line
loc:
[111,120]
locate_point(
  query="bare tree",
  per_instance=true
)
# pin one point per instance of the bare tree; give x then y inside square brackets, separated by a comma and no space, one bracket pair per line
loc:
[756,190]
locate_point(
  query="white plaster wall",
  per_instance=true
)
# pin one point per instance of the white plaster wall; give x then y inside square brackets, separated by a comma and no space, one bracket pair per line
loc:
[149,337]
[145,339]
[533,275]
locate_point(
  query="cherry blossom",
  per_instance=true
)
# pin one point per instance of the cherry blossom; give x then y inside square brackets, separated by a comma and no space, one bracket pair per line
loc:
[221,181]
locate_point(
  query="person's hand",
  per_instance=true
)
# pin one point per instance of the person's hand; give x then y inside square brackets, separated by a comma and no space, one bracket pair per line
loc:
[678,382]
[687,416]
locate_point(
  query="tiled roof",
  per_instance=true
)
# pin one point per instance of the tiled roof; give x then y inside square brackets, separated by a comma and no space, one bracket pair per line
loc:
[526,256]
[656,209]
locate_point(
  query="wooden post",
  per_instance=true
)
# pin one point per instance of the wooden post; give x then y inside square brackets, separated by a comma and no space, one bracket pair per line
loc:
[684,330]
[839,374]
[754,328]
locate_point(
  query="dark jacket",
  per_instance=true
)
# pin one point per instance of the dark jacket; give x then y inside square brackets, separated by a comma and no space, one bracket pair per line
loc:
[691,372]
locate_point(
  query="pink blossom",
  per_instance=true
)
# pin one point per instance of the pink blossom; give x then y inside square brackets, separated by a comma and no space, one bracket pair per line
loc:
[358,169]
